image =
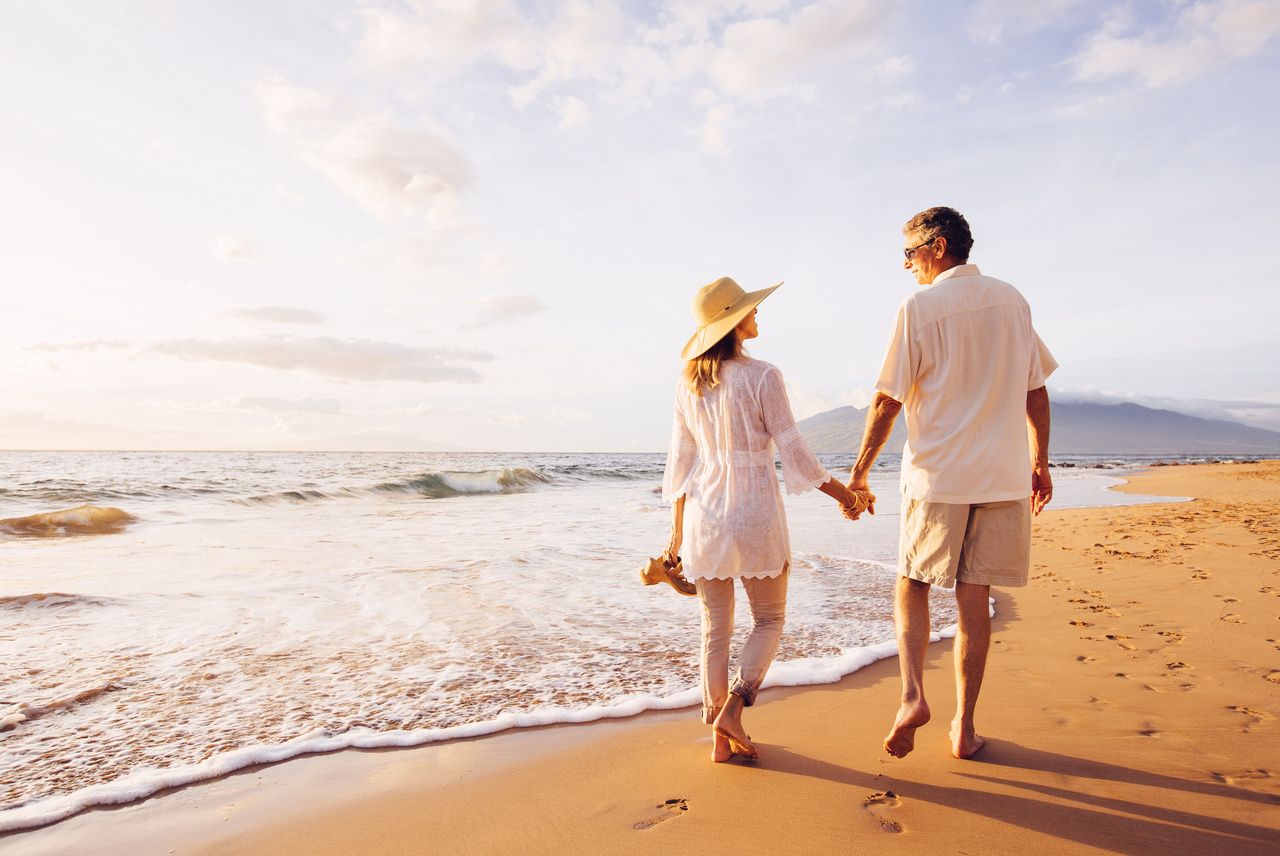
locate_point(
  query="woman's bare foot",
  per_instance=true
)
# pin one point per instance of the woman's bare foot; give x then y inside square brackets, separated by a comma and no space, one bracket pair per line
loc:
[729,726]
[965,742]
[901,739]
[720,751]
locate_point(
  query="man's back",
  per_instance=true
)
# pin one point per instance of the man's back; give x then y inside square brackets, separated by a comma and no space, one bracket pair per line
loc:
[961,360]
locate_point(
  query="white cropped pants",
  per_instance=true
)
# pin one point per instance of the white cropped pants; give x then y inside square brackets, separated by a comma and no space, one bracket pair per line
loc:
[768,599]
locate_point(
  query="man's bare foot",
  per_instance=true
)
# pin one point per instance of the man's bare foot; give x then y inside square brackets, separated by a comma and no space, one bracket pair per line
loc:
[965,743]
[720,751]
[901,739]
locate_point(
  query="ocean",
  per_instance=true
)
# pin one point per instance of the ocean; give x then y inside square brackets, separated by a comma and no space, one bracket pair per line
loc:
[264,605]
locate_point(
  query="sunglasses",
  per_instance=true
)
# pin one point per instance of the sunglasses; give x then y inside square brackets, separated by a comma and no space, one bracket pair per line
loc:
[910,252]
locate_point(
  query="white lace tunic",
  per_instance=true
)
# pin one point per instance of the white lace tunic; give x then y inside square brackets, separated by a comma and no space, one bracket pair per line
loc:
[722,457]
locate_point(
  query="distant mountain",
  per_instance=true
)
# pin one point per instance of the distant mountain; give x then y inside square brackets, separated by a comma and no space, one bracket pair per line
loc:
[1079,429]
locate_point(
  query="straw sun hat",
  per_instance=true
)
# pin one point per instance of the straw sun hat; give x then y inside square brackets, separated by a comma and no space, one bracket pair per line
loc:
[718,308]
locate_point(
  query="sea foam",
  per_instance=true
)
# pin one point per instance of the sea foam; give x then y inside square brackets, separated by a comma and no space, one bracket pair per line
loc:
[145,781]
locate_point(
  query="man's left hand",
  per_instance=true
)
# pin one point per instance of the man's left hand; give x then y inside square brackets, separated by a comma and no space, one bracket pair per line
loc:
[1041,488]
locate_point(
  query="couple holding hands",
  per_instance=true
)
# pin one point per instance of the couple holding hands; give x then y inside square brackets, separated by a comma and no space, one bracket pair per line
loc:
[966,364]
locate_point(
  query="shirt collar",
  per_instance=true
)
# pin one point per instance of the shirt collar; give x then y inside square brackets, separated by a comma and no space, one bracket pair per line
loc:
[958,270]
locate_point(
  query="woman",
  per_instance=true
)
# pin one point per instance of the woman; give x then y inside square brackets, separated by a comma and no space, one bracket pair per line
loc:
[731,411]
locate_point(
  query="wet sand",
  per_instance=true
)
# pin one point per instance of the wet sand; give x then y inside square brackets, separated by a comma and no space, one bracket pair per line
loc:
[1130,705]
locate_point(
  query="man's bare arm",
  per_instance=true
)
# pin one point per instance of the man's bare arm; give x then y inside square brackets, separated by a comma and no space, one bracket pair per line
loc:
[880,416]
[1038,430]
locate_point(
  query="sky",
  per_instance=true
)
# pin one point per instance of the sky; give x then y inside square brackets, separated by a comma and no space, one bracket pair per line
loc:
[480,224]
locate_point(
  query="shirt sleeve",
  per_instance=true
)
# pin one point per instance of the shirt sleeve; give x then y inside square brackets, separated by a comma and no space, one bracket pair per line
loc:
[801,469]
[682,455]
[901,358]
[1042,363]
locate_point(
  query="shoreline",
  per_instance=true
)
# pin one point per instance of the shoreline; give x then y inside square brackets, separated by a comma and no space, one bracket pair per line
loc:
[262,809]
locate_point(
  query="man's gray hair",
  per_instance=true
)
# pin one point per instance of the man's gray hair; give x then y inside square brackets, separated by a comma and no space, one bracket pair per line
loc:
[945,222]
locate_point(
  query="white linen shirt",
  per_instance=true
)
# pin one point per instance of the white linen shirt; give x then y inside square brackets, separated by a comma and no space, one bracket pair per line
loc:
[722,458]
[962,357]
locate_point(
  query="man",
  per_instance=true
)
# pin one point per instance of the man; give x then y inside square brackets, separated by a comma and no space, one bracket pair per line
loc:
[970,371]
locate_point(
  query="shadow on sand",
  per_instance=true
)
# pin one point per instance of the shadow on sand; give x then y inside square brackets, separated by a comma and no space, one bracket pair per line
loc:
[1116,825]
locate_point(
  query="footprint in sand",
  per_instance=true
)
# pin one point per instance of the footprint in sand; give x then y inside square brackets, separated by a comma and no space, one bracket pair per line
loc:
[1170,636]
[1273,676]
[1080,623]
[1176,664]
[1200,575]
[878,804]
[1232,778]
[1233,618]
[1084,658]
[1119,639]
[671,808]
[1256,717]
[1149,731]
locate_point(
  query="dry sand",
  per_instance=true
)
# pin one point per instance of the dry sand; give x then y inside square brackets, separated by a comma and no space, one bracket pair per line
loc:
[1130,706]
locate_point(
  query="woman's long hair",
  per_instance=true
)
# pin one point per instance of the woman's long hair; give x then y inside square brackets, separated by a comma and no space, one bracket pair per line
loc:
[703,371]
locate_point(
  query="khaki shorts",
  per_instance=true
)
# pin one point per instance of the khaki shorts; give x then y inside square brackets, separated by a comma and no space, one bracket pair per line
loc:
[987,543]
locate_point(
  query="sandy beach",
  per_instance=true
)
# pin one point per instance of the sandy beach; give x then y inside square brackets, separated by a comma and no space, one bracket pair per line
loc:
[1130,706]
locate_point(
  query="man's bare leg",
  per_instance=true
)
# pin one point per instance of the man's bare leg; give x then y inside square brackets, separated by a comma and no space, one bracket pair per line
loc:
[911,615]
[972,642]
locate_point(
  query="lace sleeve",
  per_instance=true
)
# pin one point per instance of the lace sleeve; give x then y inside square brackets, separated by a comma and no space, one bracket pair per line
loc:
[801,469]
[681,457]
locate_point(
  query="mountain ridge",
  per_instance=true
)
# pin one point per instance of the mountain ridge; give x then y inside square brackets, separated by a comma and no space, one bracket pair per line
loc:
[1077,428]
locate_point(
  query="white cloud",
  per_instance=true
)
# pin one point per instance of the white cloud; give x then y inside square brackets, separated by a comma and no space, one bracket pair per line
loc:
[236,248]
[1260,414]
[94,345]
[436,259]
[573,112]
[507,307]
[697,20]
[712,137]
[563,415]
[761,56]
[895,67]
[279,314]
[900,101]
[390,170]
[464,415]
[452,35]
[1202,36]
[328,406]
[336,359]
[39,431]
[626,57]
[992,20]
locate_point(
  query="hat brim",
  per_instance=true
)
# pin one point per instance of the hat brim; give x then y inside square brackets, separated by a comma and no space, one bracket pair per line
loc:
[708,335]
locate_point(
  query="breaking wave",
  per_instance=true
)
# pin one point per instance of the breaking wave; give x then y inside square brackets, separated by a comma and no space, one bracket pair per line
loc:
[81,520]
[451,483]
[50,600]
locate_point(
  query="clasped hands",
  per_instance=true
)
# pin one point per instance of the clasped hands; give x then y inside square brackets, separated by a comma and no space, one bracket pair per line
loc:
[861,499]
